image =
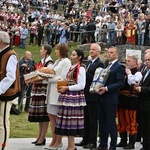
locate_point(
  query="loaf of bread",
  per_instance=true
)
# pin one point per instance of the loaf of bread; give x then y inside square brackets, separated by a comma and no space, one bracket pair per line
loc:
[46,70]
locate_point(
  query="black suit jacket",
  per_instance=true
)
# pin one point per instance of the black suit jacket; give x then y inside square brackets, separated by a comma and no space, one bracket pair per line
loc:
[89,78]
[144,96]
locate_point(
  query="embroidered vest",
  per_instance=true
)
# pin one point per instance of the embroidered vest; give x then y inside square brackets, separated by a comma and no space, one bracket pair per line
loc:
[73,74]
[14,90]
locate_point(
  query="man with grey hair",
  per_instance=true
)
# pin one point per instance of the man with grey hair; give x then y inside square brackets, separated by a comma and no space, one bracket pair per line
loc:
[128,101]
[90,110]
[143,68]
[9,85]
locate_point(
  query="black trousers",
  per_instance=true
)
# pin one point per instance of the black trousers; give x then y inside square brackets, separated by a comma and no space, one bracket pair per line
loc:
[90,123]
[145,124]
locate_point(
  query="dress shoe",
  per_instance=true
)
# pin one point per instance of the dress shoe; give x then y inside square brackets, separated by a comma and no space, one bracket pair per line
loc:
[90,145]
[56,148]
[34,142]
[46,147]
[129,146]
[39,144]
[122,144]
[80,143]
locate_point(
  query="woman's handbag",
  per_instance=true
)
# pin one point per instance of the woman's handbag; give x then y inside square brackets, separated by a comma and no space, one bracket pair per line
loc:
[61,83]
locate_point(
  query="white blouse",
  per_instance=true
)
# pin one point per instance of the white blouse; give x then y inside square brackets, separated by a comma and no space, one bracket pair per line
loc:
[80,81]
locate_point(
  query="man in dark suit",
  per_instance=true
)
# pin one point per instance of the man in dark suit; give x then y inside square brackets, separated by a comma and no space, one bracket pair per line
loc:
[108,100]
[90,111]
[144,104]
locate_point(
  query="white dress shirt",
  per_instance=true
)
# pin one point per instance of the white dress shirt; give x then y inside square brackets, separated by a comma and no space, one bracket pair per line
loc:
[80,81]
[136,78]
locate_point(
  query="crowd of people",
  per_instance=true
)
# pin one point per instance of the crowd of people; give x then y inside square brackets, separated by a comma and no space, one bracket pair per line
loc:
[114,22]
[72,109]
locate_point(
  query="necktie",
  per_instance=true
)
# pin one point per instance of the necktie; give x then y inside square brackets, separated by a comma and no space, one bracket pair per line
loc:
[90,63]
[147,73]
[108,66]
[144,70]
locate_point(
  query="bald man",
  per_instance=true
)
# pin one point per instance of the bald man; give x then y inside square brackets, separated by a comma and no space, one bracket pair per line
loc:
[26,65]
[90,110]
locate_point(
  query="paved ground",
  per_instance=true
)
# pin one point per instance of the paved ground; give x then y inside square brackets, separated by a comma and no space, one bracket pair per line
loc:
[25,144]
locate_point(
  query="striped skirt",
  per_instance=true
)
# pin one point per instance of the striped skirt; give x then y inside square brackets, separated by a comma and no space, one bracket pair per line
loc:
[38,107]
[70,117]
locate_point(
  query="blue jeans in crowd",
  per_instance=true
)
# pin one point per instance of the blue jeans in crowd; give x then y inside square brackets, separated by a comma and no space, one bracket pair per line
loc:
[23,43]
[141,38]
[48,38]
[111,38]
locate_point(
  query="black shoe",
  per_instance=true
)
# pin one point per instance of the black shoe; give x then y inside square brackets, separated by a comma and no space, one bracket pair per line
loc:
[34,142]
[129,146]
[39,144]
[90,145]
[80,144]
[122,144]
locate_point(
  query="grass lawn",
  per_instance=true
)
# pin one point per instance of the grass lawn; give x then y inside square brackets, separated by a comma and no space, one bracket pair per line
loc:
[21,128]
